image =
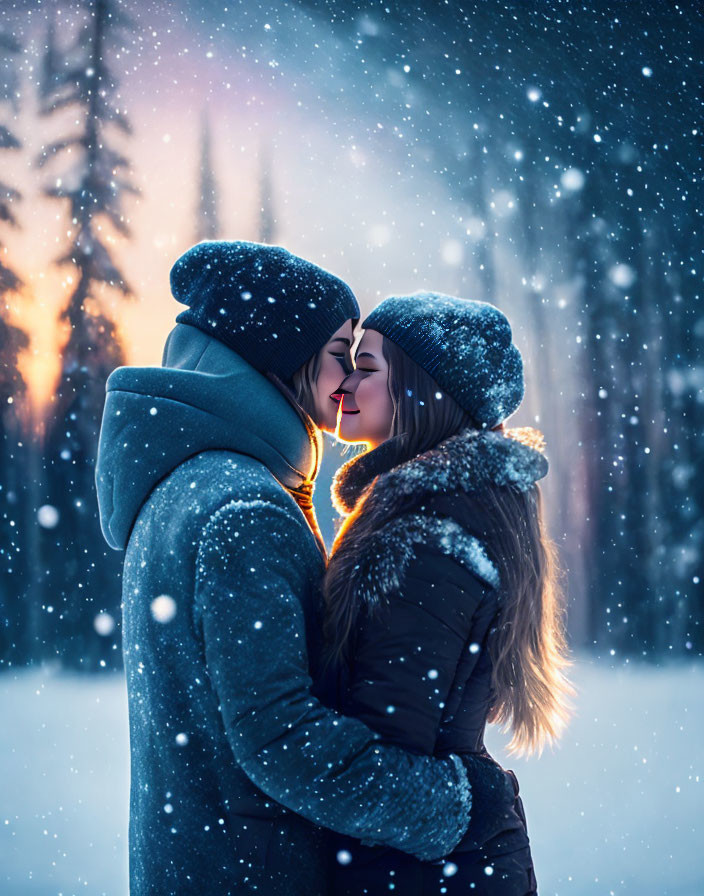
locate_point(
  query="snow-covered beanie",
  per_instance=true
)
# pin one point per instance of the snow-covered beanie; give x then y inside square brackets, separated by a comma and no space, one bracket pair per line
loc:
[464,345]
[274,309]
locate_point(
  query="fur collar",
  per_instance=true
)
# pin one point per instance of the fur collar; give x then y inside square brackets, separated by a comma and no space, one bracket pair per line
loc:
[512,457]
[382,565]
[381,496]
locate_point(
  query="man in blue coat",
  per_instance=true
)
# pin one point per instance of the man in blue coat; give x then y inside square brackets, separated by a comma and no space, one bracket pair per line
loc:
[204,477]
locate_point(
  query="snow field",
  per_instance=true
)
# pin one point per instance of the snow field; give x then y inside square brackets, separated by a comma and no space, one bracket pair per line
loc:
[616,810]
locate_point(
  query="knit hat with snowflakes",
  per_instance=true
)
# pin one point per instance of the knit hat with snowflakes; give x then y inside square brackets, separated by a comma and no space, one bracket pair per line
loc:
[274,309]
[464,345]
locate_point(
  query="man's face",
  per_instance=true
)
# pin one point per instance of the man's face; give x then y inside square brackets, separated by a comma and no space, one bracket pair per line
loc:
[335,365]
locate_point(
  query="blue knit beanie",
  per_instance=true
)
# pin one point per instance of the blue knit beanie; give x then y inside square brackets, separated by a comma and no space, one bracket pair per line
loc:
[274,309]
[464,345]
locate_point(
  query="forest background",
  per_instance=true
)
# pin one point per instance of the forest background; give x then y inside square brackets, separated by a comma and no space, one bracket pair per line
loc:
[546,157]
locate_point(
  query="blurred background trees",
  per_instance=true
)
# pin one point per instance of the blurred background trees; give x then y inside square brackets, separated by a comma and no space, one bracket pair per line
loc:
[15,492]
[571,146]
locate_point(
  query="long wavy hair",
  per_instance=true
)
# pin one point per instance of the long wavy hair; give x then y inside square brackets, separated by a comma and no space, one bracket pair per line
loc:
[528,645]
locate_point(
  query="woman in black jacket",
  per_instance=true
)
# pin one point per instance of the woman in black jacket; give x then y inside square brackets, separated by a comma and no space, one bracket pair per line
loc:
[442,610]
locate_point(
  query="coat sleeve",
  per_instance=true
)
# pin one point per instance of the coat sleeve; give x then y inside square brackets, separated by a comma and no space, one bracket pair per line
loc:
[408,651]
[329,768]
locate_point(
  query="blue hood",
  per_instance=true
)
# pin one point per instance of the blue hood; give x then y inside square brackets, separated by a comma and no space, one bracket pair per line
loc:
[204,397]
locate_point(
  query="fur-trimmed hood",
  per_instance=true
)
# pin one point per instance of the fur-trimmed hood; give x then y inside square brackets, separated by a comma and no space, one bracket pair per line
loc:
[385,501]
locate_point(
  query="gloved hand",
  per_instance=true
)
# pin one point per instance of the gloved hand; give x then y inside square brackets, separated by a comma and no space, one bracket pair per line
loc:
[494,795]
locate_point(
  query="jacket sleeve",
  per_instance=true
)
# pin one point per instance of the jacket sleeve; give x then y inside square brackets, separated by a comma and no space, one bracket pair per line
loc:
[407,653]
[329,768]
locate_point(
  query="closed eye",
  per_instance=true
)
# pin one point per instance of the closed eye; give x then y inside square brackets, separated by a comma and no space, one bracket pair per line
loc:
[344,361]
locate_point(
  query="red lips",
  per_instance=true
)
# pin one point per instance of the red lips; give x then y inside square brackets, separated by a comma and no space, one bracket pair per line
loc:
[349,405]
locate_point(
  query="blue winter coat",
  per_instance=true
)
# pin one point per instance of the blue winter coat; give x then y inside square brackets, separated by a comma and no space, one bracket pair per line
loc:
[198,464]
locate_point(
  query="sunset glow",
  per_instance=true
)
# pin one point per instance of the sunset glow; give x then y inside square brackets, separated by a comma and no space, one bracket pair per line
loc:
[331,193]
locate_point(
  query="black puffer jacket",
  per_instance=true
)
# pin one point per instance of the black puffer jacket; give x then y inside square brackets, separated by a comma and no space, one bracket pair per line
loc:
[417,668]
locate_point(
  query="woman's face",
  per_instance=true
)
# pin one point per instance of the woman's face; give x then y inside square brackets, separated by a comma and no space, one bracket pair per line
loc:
[367,409]
[335,363]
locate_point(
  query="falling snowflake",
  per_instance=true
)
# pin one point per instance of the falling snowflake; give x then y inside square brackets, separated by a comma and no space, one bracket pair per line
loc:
[163,608]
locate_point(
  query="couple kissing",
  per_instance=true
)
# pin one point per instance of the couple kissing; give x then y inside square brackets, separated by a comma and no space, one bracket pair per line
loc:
[311,724]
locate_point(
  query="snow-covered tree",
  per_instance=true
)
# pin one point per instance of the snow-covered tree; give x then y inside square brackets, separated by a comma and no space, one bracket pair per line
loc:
[81,576]
[207,217]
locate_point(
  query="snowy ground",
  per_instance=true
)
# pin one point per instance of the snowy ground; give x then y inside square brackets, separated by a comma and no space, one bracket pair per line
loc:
[616,810]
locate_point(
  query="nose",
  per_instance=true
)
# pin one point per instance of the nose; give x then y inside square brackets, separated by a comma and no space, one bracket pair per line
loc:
[350,382]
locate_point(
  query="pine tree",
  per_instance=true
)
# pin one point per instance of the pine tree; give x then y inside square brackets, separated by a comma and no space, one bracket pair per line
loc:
[81,576]
[14,512]
[208,221]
